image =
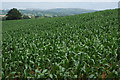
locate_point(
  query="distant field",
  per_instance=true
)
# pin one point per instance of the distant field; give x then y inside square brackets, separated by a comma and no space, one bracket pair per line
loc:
[51,12]
[2,15]
[79,46]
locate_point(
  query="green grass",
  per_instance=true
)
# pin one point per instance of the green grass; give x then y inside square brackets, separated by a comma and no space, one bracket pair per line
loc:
[79,46]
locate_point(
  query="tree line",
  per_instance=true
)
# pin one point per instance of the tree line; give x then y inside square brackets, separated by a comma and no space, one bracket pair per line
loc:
[14,14]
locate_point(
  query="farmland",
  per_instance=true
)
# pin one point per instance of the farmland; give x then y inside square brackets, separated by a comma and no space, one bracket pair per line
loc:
[51,12]
[78,46]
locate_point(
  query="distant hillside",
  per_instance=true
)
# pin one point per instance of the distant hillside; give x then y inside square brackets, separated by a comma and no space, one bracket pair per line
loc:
[52,12]
[69,11]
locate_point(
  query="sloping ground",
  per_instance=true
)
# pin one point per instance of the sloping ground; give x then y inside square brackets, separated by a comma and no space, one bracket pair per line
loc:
[80,46]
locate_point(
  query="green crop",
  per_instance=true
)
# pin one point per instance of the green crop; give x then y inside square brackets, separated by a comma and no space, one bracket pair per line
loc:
[79,46]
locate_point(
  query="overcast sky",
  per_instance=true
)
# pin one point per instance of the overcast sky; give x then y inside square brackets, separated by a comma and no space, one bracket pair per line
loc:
[59,0]
[49,4]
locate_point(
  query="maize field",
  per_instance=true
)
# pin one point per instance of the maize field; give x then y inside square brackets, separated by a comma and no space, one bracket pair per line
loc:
[77,46]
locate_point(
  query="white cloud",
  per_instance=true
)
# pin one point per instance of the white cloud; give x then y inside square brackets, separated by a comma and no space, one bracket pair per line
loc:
[60,0]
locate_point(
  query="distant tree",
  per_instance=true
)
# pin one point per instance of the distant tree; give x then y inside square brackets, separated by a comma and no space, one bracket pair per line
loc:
[3,18]
[13,14]
[25,17]
[37,16]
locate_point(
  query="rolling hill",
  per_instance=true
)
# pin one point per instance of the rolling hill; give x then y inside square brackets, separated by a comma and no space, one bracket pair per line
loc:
[52,12]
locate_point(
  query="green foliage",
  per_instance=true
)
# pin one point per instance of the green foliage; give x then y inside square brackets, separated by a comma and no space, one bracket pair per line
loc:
[13,14]
[25,17]
[80,46]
